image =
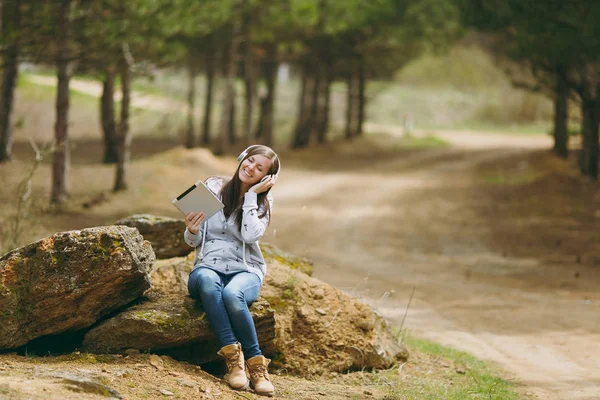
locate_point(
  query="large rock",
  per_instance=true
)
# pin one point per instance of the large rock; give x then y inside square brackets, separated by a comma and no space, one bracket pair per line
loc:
[169,324]
[170,277]
[70,280]
[165,234]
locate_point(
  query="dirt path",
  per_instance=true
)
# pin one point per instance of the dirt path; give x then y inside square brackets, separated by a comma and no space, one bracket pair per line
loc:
[380,224]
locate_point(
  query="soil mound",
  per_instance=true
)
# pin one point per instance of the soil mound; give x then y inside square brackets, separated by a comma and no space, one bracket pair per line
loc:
[321,329]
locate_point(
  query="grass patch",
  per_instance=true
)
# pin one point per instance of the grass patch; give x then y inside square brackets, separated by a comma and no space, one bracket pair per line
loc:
[511,178]
[31,90]
[35,100]
[450,374]
[533,128]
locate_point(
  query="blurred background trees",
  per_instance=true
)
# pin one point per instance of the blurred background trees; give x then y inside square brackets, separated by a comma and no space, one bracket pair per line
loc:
[559,43]
[298,73]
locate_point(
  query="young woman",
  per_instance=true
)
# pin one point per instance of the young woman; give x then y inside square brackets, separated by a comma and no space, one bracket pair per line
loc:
[229,268]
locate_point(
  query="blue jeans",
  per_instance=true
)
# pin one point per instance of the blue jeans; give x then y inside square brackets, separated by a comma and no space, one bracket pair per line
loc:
[225,299]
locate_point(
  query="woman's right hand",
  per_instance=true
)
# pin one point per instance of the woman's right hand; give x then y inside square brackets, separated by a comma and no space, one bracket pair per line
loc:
[193,221]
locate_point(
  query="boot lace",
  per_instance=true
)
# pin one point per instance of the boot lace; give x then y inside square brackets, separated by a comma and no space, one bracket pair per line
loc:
[257,371]
[232,361]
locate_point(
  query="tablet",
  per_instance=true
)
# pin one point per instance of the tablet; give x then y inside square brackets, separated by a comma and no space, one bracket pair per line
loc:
[198,198]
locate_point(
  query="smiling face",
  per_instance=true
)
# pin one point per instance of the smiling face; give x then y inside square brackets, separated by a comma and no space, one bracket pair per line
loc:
[253,169]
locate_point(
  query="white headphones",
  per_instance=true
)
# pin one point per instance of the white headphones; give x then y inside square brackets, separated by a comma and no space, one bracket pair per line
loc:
[244,153]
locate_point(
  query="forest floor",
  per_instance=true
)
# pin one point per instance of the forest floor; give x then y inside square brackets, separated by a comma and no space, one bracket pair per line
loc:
[499,239]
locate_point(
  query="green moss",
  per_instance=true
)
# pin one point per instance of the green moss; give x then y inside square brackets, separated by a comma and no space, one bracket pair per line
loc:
[104,245]
[278,303]
[278,361]
[297,263]
[62,257]
[107,246]
[88,358]
[165,321]
[260,309]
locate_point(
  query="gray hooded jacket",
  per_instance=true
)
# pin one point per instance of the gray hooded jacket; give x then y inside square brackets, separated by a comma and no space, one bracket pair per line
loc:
[224,245]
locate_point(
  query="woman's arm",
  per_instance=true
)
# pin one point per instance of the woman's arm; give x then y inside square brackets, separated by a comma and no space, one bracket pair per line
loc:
[253,227]
[191,239]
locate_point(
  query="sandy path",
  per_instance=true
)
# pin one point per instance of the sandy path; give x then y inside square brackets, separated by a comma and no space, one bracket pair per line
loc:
[401,222]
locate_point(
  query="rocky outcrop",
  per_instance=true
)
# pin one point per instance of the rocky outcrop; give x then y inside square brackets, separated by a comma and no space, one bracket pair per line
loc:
[165,234]
[330,330]
[70,280]
[172,324]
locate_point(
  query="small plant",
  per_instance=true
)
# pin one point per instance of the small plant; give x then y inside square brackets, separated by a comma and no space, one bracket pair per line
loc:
[289,287]
[401,335]
[291,281]
[24,189]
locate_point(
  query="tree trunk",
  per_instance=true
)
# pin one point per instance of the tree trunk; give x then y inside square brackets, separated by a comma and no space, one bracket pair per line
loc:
[250,80]
[232,119]
[107,115]
[324,105]
[353,103]
[11,23]
[588,123]
[61,162]
[124,136]
[594,145]
[228,96]
[303,128]
[191,98]
[561,135]
[590,114]
[210,79]
[318,78]
[264,129]
[348,133]
[302,99]
[361,95]
[250,98]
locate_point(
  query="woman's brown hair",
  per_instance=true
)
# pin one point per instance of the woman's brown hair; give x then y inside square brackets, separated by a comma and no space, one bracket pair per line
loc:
[231,193]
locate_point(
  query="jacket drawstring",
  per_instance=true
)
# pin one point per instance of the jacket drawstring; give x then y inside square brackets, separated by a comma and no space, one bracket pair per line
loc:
[203,240]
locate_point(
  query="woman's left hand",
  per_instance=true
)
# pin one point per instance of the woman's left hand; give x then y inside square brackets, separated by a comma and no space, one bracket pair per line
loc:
[265,185]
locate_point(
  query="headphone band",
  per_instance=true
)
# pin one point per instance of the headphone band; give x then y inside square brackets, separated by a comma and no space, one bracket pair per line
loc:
[244,153]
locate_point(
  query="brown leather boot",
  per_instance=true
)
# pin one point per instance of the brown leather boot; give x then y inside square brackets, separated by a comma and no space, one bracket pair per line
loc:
[259,375]
[236,372]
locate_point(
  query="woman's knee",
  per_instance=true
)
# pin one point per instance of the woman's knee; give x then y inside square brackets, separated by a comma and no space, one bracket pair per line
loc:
[203,281]
[234,299]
